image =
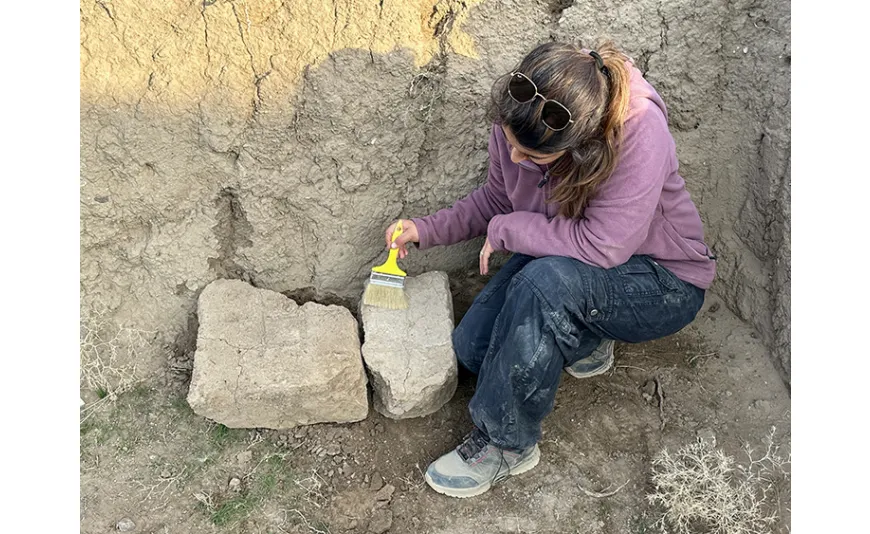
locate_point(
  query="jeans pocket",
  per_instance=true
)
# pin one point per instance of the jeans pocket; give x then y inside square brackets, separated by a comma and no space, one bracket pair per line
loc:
[643,277]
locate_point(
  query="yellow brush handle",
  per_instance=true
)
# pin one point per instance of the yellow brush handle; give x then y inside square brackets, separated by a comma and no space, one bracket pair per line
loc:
[390,266]
[397,231]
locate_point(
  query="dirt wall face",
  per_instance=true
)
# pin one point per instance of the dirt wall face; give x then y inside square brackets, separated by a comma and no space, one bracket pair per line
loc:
[272,141]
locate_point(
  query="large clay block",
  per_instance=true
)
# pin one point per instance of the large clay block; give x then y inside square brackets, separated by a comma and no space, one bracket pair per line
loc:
[264,361]
[409,353]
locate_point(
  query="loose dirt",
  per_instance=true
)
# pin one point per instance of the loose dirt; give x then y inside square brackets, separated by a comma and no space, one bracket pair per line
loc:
[148,461]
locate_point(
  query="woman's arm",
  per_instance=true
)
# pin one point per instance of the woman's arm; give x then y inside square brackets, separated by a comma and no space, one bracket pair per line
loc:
[469,217]
[616,221]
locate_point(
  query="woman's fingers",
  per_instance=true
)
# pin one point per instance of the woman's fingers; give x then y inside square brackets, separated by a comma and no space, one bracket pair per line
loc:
[400,244]
[485,253]
[409,234]
[390,229]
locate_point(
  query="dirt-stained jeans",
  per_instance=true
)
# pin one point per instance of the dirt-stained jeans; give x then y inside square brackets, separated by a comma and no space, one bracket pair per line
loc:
[537,316]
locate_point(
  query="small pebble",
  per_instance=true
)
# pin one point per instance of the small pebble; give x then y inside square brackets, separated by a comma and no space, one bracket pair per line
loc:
[330,473]
[386,493]
[762,405]
[649,391]
[706,435]
[235,485]
[381,521]
[332,449]
[377,482]
[125,525]
[166,473]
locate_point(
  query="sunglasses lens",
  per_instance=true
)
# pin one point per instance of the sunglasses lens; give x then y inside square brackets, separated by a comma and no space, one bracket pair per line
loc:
[521,88]
[556,116]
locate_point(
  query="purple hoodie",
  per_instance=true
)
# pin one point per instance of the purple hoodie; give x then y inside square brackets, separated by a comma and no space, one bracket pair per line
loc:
[642,208]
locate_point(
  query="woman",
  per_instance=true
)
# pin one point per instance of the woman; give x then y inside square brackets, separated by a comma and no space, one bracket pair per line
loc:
[584,190]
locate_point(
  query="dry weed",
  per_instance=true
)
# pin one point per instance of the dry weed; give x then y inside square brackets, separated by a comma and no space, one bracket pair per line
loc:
[704,490]
[426,89]
[108,354]
[311,486]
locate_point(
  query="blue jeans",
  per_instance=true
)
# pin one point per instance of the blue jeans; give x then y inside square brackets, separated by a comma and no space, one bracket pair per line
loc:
[537,316]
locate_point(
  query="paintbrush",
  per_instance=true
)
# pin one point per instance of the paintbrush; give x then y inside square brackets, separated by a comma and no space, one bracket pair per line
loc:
[386,287]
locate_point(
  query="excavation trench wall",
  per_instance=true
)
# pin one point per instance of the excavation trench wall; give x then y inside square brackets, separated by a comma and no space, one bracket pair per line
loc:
[272,141]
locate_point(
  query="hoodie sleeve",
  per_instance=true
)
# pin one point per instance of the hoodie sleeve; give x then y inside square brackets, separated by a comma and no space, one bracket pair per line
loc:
[469,217]
[616,221]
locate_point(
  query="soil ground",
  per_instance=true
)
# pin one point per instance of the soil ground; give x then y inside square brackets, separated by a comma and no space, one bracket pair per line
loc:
[149,464]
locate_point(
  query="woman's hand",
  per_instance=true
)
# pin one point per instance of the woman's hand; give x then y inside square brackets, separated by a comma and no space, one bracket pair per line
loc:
[409,234]
[485,253]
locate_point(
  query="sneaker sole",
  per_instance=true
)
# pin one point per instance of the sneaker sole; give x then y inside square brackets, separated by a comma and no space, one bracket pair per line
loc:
[464,493]
[600,371]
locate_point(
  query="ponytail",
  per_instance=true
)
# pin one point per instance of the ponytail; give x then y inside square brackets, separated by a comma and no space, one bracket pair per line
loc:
[589,163]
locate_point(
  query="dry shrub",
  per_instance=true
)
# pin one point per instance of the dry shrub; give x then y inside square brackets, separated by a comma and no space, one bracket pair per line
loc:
[108,354]
[703,490]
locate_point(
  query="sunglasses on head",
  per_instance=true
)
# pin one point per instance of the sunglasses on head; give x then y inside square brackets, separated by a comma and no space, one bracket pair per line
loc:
[554,115]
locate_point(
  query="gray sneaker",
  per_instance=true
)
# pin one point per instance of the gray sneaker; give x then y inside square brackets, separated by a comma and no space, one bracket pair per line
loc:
[596,363]
[475,465]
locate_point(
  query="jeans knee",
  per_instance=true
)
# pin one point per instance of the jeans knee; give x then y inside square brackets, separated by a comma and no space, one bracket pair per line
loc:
[471,340]
[543,277]
[555,287]
[461,343]
[550,269]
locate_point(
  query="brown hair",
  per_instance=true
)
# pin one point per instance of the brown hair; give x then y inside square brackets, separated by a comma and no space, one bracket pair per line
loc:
[598,104]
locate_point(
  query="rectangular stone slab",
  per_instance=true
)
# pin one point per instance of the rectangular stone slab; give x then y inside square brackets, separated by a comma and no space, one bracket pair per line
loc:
[409,353]
[263,361]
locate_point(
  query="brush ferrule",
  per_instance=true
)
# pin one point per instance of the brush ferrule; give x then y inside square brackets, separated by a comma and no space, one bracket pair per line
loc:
[387,280]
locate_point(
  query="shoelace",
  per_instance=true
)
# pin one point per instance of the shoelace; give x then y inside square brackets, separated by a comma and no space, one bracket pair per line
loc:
[473,445]
[500,463]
